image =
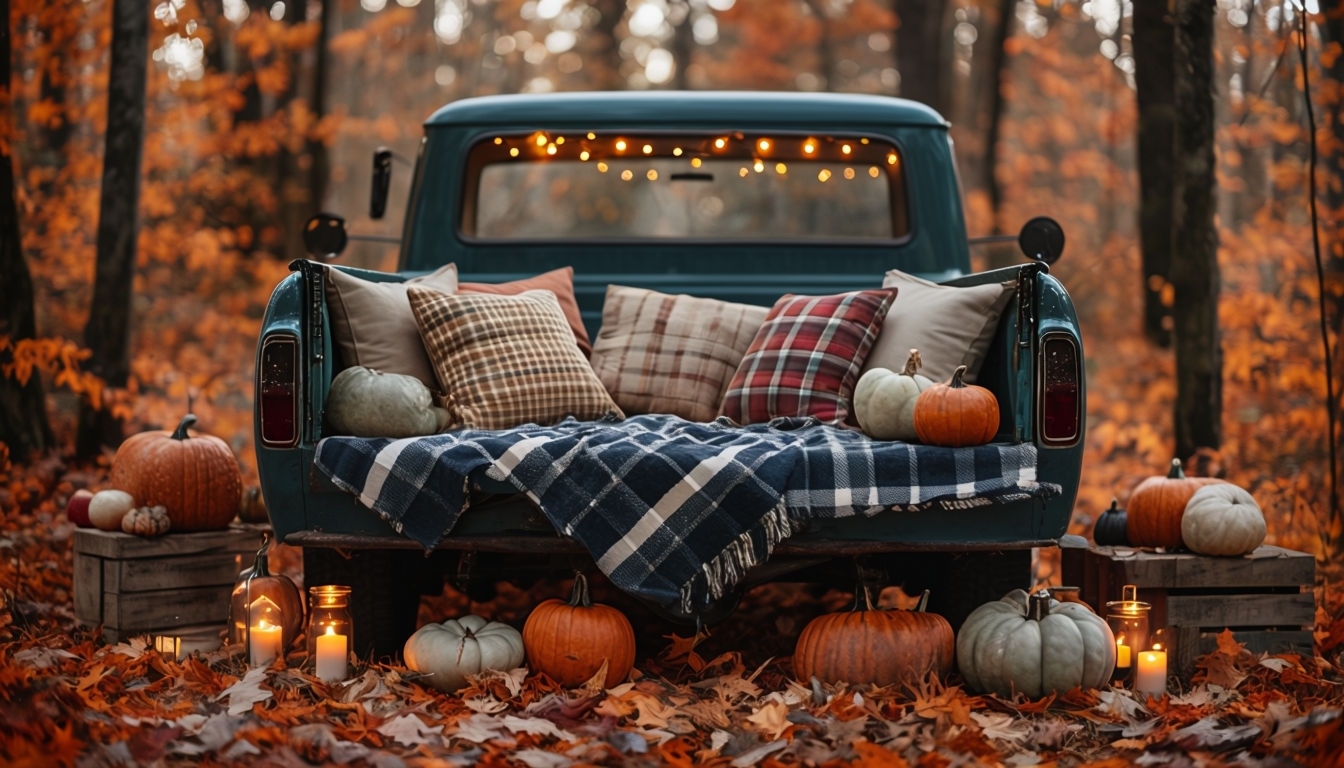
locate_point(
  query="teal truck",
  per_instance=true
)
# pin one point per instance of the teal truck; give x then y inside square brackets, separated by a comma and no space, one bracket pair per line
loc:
[741,201]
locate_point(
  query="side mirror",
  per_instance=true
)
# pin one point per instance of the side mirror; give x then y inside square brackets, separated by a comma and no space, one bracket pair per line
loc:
[382,181]
[1042,239]
[324,236]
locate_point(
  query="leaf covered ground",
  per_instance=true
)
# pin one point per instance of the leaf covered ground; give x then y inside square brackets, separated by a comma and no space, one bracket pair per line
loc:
[726,697]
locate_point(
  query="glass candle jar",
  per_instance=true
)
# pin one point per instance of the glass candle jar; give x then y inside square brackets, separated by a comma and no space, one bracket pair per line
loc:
[1128,620]
[330,631]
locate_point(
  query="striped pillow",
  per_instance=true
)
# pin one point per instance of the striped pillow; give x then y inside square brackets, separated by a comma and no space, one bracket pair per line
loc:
[659,353]
[806,358]
[505,360]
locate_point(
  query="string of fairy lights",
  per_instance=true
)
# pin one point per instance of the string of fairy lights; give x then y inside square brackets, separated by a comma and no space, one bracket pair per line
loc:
[852,157]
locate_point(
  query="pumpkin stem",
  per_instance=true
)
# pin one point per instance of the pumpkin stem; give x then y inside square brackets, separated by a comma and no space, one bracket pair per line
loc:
[1038,605]
[187,422]
[1115,506]
[863,599]
[956,382]
[913,363]
[923,603]
[579,595]
[1176,473]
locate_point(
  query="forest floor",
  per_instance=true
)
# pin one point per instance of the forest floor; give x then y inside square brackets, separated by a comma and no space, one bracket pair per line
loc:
[727,698]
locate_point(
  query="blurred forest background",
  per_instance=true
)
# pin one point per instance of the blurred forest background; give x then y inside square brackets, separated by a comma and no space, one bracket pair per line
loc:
[260,112]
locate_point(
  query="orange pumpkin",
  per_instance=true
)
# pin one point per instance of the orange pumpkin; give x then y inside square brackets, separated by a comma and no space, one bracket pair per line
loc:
[956,414]
[1157,504]
[195,477]
[569,641]
[881,647]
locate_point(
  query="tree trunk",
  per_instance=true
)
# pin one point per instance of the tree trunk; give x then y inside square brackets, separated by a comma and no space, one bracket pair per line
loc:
[603,60]
[1154,57]
[108,333]
[825,49]
[23,413]
[683,43]
[1331,183]
[997,57]
[1194,267]
[920,51]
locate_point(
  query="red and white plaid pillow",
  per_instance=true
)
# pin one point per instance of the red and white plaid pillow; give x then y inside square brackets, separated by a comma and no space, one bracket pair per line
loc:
[806,358]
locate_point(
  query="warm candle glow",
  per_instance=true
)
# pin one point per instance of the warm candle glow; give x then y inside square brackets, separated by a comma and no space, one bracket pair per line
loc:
[263,643]
[331,656]
[1122,654]
[1151,677]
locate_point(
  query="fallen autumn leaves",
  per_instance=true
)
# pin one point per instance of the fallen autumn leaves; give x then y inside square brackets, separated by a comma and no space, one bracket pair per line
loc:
[67,698]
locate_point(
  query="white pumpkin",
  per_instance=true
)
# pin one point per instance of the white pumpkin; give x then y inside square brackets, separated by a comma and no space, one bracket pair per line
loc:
[1034,644]
[370,403]
[1222,519]
[449,651]
[884,400]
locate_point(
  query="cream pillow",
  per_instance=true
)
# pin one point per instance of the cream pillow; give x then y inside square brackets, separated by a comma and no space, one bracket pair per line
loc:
[949,325]
[372,324]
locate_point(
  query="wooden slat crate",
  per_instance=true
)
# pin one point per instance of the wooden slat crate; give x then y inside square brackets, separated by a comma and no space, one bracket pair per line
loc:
[133,585]
[1265,598]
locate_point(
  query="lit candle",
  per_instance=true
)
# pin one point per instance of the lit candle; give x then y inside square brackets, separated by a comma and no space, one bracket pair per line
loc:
[167,645]
[1122,654]
[331,656]
[1151,677]
[263,643]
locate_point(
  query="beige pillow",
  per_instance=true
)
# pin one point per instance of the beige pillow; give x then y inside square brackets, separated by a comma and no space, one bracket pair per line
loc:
[507,360]
[659,353]
[949,325]
[372,324]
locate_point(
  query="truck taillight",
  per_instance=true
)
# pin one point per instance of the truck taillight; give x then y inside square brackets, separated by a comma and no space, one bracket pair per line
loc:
[278,392]
[1061,405]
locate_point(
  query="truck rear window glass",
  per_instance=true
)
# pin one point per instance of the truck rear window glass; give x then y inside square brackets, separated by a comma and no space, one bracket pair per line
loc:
[684,186]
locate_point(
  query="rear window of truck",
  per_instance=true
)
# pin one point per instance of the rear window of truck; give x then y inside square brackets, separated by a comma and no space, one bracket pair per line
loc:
[640,186]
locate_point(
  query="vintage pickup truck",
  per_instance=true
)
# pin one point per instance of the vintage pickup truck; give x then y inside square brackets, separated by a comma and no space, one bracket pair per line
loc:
[632,208]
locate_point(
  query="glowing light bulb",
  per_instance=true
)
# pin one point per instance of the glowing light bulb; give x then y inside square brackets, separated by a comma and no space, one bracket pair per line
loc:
[763,145]
[620,145]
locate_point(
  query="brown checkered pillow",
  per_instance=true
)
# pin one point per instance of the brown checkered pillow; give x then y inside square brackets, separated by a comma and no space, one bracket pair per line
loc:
[507,360]
[659,353]
[805,360]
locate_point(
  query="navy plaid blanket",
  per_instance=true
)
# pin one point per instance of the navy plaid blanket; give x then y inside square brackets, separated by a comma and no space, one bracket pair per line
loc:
[673,511]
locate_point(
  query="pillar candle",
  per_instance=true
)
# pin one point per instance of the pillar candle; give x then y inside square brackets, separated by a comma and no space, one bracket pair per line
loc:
[1122,655]
[1151,677]
[263,643]
[331,656]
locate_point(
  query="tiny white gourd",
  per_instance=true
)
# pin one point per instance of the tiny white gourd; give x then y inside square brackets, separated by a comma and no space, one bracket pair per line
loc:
[884,400]
[449,651]
[108,507]
[1222,519]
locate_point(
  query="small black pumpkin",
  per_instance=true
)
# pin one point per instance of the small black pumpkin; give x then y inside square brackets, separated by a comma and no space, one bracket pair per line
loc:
[1110,528]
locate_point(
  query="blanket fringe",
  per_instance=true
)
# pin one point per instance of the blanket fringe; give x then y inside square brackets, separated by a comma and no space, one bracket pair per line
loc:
[731,565]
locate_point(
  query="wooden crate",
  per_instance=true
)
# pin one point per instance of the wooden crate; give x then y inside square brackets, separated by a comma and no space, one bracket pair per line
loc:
[1265,598]
[133,585]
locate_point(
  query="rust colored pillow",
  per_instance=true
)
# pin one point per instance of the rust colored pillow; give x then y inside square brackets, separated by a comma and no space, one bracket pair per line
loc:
[558,281]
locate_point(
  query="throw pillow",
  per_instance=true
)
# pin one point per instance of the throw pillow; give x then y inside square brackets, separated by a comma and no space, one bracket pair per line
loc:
[558,281]
[806,358]
[949,325]
[659,353]
[372,324]
[507,360]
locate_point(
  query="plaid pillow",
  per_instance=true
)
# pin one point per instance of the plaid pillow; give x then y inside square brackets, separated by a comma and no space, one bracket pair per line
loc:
[659,353]
[558,281]
[372,325]
[507,360]
[806,358]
